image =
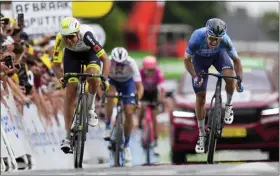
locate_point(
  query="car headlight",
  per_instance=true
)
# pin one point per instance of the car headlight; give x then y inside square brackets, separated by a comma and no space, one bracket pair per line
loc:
[271,110]
[183,114]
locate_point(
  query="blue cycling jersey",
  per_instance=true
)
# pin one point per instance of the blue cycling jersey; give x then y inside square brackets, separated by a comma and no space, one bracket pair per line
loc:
[198,45]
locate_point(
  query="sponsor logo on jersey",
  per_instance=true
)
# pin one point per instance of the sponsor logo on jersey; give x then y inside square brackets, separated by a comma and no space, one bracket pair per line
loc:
[96,48]
[90,40]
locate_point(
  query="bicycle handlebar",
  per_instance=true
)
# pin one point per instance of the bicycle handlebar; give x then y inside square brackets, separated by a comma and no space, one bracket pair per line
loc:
[82,75]
[201,74]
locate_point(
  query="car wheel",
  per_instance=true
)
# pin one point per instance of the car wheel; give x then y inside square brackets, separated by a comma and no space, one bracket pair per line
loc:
[274,154]
[178,157]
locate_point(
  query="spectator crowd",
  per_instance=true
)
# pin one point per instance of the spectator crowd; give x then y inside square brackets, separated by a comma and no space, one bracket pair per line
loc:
[26,71]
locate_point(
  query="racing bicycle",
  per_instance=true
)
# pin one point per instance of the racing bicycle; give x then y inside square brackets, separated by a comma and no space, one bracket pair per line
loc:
[117,133]
[80,122]
[148,137]
[215,121]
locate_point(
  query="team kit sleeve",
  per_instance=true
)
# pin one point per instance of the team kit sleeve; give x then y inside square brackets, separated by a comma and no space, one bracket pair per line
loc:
[230,48]
[160,80]
[192,44]
[58,49]
[136,73]
[90,41]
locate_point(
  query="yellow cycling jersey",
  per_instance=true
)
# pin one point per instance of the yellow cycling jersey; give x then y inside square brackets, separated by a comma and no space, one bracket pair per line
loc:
[87,40]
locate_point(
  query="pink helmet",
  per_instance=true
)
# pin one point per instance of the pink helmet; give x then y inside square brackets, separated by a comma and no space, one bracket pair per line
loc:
[149,62]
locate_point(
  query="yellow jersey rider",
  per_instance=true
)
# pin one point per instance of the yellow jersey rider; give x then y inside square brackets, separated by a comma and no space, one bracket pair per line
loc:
[75,42]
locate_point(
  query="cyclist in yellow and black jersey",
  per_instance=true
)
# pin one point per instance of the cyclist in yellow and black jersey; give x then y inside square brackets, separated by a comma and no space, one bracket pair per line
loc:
[73,43]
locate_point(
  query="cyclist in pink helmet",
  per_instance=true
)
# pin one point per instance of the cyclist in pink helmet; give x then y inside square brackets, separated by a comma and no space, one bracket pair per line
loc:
[152,79]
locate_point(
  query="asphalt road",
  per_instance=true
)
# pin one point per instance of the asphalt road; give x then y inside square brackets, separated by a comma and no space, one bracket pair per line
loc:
[162,164]
[256,168]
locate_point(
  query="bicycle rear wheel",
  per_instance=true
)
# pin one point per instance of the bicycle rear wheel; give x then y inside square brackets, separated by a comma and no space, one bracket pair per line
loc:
[80,134]
[148,137]
[212,135]
[148,144]
[118,141]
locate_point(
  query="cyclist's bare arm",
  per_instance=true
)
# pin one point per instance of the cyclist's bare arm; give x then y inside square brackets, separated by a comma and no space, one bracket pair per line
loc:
[189,65]
[238,67]
[106,64]
[140,89]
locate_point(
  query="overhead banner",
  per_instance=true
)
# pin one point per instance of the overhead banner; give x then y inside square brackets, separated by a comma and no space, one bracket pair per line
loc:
[89,9]
[42,17]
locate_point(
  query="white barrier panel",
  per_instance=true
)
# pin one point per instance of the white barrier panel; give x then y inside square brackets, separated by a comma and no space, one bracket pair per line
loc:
[12,132]
[17,120]
[28,135]
[4,151]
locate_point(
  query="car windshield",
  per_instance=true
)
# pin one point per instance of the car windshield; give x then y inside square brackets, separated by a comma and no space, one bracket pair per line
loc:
[255,80]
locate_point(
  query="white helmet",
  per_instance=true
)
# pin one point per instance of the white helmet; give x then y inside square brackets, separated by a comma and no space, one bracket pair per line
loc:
[69,26]
[119,54]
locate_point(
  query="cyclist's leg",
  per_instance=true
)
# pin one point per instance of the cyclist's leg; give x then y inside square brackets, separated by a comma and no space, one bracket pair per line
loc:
[70,64]
[109,108]
[129,104]
[224,66]
[128,88]
[154,97]
[93,67]
[142,109]
[201,64]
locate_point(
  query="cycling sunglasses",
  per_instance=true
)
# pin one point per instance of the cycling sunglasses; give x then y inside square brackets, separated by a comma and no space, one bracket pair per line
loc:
[120,64]
[70,37]
[212,38]
[150,70]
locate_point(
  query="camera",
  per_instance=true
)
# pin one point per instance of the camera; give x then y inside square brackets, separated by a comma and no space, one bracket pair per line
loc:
[20,19]
[9,62]
[26,85]
[5,21]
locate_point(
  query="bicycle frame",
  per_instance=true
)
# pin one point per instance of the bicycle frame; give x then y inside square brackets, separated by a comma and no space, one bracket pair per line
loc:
[79,126]
[215,122]
[117,133]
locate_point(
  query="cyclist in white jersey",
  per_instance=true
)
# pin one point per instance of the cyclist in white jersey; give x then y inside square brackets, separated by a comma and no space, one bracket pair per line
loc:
[124,76]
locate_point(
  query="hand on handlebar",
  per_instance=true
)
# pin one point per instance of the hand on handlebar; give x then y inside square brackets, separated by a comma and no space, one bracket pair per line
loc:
[197,81]
[239,86]
[105,85]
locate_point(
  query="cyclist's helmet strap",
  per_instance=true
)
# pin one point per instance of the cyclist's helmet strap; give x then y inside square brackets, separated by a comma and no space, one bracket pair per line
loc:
[216,27]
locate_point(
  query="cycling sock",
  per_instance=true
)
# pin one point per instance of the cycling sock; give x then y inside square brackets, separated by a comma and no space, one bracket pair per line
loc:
[91,100]
[108,123]
[229,97]
[126,141]
[201,127]
[68,134]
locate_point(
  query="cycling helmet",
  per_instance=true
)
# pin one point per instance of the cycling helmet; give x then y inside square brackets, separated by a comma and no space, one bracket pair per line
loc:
[216,27]
[69,26]
[149,62]
[119,54]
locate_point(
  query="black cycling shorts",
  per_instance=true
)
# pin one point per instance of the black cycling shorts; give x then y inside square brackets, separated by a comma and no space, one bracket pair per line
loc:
[72,60]
[150,97]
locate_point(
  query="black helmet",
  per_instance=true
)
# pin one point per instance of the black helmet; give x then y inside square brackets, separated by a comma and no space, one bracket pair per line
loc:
[216,27]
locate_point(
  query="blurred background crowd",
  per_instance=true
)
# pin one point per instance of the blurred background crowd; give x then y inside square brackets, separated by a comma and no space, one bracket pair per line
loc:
[26,68]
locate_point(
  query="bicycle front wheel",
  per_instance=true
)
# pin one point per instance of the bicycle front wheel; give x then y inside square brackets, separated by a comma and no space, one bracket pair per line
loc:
[212,137]
[80,134]
[118,141]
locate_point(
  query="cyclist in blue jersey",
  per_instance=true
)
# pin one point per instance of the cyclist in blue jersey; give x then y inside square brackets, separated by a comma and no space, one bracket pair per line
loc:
[208,46]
